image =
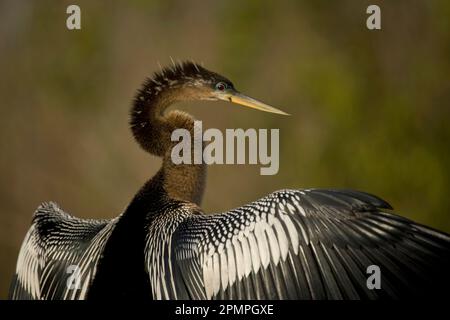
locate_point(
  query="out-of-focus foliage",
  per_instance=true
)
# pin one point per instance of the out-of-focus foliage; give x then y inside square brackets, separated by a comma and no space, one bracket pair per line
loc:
[370,109]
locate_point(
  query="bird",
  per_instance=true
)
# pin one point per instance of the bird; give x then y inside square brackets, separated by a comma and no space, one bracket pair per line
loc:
[308,244]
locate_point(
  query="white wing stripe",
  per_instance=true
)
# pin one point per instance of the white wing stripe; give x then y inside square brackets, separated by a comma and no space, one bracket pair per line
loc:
[292,232]
[263,248]
[208,277]
[254,252]
[216,273]
[240,260]
[224,270]
[247,257]
[231,266]
[282,239]
[273,244]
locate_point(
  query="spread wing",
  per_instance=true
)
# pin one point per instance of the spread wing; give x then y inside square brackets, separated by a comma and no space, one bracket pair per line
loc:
[311,244]
[59,255]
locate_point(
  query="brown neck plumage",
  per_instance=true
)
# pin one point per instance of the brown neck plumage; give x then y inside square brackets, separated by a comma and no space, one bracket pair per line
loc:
[152,128]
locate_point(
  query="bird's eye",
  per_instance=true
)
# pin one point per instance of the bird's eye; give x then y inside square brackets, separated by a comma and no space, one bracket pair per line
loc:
[221,86]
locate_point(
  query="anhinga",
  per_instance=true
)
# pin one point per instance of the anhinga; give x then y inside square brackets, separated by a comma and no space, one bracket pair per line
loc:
[292,244]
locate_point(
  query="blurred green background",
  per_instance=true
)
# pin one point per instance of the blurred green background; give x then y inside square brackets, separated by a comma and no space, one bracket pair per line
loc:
[370,109]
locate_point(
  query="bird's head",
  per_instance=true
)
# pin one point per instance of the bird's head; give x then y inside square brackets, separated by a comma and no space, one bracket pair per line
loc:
[193,82]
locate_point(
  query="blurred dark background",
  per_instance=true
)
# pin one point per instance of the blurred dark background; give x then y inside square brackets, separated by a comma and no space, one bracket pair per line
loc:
[370,109]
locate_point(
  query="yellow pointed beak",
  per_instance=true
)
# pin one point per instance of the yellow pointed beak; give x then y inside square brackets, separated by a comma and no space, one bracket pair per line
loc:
[239,98]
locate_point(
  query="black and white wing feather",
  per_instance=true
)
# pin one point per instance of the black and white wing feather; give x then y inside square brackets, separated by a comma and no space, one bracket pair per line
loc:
[57,248]
[311,244]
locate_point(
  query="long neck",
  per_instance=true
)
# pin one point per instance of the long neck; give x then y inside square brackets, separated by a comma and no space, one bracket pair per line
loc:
[152,128]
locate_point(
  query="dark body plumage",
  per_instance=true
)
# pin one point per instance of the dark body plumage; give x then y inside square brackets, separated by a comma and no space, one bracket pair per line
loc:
[292,244]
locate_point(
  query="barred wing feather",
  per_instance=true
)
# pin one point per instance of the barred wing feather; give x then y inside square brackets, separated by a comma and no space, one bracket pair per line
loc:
[54,242]
[311,244]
